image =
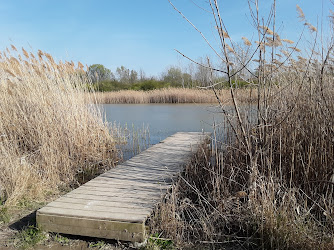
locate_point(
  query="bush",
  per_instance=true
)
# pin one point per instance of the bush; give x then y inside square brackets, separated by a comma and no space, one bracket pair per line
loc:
[106,86]
[149,85]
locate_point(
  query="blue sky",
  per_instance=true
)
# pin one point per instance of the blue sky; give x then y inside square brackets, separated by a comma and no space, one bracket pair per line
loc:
[139,34]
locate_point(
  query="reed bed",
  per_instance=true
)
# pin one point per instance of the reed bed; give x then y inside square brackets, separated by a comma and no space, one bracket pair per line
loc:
[50,139]
[289,204]
[266,183]
[169,95]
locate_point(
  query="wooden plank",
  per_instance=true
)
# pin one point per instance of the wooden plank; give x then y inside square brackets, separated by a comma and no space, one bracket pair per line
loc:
[116,204]
[113,198]
[120,184]
[133,195]
[93,228]
[107,203]
[101,215]
[112,178]
[102,224]
[106,179]
[100,207]
[121,191]
[125,201]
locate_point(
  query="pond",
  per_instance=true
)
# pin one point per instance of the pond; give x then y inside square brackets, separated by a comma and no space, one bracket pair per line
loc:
[152,123]
[163,120]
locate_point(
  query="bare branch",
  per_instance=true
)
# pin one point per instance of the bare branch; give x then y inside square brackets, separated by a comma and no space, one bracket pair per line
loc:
[200,64]
[205,39]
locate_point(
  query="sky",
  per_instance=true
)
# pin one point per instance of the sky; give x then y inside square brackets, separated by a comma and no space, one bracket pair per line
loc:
[139,34]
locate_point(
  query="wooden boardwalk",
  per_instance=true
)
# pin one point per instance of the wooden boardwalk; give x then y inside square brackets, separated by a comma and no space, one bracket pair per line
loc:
[116,204]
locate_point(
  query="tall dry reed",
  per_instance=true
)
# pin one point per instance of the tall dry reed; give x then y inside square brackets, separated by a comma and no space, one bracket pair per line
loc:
[268,183]
[169,95]
[50,139]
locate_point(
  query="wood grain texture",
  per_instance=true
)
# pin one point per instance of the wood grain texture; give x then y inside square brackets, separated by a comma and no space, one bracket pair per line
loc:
[116,204]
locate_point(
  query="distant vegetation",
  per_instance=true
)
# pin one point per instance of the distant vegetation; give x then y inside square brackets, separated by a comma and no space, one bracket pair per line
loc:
[104,80]
[171,95]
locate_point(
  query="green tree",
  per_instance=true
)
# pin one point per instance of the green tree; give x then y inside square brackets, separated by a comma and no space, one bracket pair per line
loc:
[133,76]
[187,80]
[99,73]
[173,76]
[202,74]
[123,74]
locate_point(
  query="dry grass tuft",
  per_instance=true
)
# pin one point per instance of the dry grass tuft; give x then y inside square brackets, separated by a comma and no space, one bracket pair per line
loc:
[49,138]
[246,41]
[229,48]
[300,12]
[266,30]
[288,41]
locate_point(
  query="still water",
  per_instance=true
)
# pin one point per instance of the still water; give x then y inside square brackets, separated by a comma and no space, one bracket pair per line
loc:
[148,124]
[163,120]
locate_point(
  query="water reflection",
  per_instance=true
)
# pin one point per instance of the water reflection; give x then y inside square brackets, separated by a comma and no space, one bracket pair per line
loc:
[148,124]
[163,120]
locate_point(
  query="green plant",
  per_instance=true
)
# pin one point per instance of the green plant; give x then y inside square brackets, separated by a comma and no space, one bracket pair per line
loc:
[61,239]
[98,244]
[30,236]
[111,85]
[149,85]
[4,214]
[154,241]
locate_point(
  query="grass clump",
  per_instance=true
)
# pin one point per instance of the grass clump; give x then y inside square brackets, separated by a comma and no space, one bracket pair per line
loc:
[30,236]
[49,137]
[61,239]
[98,244]
[155,242]
[4,215]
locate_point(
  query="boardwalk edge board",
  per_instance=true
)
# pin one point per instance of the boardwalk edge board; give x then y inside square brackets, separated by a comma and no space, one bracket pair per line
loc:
[116,204]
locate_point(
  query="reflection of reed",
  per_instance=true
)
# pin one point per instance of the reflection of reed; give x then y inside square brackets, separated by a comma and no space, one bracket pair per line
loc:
[131,141]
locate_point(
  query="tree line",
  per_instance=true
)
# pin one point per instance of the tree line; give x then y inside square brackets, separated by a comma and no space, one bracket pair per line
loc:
[103,79]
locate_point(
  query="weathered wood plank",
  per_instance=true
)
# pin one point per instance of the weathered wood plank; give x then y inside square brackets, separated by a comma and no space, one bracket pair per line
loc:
[110,198]
[93,228]
[128,186]
[121,191]
[113,198]
[116,204]
[101,215]
[125,194]
[106,203]
[93,206]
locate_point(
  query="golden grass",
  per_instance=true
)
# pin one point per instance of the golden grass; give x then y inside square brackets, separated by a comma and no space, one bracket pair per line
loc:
[170,95]
[49,138]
